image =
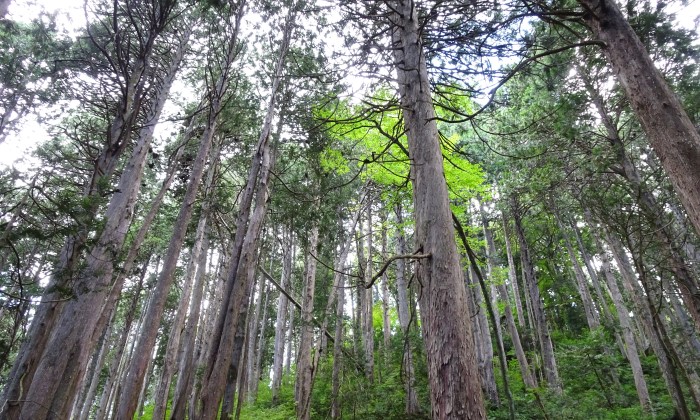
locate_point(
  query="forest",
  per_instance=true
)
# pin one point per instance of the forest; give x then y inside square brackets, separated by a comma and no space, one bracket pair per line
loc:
[360,209]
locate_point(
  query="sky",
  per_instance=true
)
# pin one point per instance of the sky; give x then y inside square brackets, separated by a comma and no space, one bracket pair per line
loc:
[70,16]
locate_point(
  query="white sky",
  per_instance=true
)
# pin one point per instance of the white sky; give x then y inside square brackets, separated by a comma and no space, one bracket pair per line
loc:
[70,15]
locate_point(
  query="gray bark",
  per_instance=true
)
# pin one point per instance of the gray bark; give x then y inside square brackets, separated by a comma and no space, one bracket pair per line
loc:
[512,276]
[405,318]
[305,364]
[280,325]
[551,372]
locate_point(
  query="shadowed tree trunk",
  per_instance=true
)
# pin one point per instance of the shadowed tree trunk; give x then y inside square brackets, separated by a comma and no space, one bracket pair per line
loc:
[671,134]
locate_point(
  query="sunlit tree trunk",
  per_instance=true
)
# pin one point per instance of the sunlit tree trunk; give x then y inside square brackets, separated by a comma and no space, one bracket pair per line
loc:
[455,391]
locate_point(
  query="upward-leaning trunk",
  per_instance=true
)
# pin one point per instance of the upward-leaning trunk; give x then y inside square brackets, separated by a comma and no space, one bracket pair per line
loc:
[51,386]
[671,133]
[222,337]
[551,372]
[412,406]
[282,304]
[455,391]
[305,364]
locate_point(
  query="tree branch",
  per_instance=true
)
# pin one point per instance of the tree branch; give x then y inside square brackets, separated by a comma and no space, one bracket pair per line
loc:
[392,259]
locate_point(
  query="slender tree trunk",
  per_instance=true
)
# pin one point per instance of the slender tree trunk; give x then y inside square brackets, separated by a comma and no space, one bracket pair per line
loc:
[386,330]
[512,276]
[405,318]
[631,351]
[368,302]
[336,412]
[671,133]
[551,372]
[243,247]
[186,354]
[455,391]
[581,282]
[253,331]
[305,364]
[492,262]
[280,325]
[631,283]
[162,393]
[650,207]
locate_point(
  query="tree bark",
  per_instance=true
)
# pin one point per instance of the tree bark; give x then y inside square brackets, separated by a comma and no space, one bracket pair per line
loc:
[280,325]
[405,317]
[551,372]
[336,411]
[512,276]
[305,364]
[671,133]
[243,246]
[455,391]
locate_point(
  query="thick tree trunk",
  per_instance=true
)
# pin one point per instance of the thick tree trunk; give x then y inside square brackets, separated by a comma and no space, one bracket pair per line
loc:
[305,364]
[551,372]
[671,133]
[65,354]
[455,391]
[280,325]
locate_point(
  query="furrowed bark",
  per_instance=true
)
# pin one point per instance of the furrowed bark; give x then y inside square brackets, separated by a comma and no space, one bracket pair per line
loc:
[455,391]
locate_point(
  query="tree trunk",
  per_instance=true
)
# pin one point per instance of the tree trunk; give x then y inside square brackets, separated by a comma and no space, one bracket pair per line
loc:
[65,354]
[186,354]
[305,364]
[405,318]
[671,133]
[631,351]
[368,302]
[512,276]
[650,208]
[631,283]
[162,393]
[581,282]
[455,391]
[280,330]
[243,247]
[386,330]
[336,412]
[551,372]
